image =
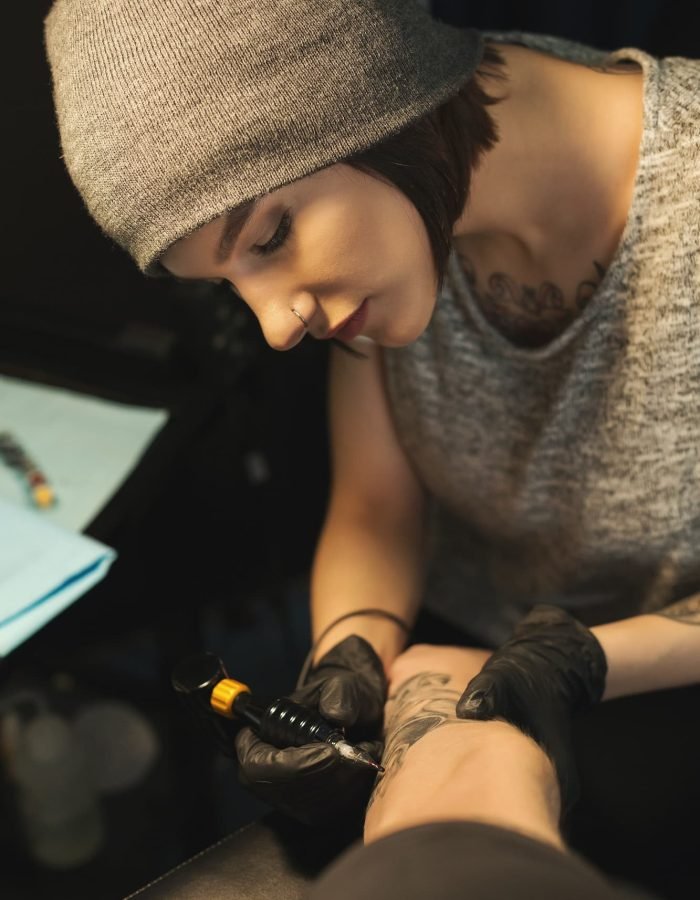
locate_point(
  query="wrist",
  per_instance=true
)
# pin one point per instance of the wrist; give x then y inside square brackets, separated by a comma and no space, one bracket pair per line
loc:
[386,637]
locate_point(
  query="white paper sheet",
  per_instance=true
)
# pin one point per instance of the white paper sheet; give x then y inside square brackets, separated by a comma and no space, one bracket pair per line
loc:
[85,446]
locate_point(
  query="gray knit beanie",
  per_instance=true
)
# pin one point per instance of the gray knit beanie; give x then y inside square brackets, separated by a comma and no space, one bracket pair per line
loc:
[171,112]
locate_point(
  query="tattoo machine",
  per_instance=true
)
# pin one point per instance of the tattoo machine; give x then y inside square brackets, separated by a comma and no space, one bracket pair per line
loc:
[222,705]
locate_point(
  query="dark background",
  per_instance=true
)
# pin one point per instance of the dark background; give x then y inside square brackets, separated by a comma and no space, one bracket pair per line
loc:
[216,530]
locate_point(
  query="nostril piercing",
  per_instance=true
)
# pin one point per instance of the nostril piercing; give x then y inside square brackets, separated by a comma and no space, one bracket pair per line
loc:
[299,316]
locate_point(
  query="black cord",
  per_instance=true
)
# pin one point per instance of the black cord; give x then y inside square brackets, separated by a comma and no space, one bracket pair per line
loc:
[358,612]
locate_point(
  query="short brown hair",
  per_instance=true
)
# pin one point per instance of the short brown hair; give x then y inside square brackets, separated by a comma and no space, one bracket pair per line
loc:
[432,160]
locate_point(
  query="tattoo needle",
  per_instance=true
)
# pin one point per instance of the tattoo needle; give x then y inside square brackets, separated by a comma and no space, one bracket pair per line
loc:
[347,751]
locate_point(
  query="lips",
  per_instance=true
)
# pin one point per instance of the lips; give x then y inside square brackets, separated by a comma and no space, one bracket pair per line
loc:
[352,326]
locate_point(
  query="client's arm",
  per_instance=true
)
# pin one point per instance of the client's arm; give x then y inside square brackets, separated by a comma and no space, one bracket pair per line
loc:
[440,767]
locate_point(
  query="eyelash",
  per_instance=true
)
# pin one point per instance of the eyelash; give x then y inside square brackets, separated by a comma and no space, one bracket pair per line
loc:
[278,238]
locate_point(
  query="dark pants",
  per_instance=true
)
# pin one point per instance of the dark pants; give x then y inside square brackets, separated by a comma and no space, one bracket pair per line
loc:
[638,758]
[463,861]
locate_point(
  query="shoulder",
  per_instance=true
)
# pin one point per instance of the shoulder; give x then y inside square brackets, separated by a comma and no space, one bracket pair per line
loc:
[679,99]
[562,48]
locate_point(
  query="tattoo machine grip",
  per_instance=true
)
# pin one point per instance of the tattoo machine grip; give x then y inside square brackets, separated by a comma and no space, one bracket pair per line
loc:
[222,705]
[284,723]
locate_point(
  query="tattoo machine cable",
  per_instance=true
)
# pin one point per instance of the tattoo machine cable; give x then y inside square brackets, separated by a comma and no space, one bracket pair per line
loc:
[223,704]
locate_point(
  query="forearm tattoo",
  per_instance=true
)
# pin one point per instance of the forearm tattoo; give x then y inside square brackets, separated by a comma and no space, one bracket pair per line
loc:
[686,610]
[526,313]
[421,704]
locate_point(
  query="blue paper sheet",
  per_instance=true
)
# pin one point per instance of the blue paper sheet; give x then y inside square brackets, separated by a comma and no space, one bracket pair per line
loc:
[43,569]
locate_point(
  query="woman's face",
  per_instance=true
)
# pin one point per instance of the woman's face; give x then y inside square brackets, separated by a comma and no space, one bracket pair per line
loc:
[323,245]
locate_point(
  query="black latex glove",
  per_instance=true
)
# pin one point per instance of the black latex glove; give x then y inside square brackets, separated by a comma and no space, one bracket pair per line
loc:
[314,783]
[551,667]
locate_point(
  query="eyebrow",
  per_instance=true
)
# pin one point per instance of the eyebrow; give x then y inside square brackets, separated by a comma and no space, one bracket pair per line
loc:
[236,220]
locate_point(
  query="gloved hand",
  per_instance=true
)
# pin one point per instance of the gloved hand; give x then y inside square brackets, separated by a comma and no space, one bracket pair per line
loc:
[551,667]
[314,783]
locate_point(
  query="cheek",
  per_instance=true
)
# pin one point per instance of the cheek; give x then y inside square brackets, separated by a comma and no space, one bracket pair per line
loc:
[339,248]
[347,239]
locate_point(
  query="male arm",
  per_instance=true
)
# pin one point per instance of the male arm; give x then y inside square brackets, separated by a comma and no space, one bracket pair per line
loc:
[439,767]
[464,808]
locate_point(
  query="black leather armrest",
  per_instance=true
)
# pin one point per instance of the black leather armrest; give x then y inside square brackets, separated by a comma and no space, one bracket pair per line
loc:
[274,857]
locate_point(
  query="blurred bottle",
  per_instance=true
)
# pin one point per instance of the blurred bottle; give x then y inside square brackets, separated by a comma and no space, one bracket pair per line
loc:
[57,801]
[120,744]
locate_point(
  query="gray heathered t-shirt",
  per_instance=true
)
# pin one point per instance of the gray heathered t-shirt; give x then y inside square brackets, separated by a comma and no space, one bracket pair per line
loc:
[570,473]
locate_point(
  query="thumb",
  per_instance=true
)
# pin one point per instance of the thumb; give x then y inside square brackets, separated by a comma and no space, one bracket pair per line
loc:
[479,698]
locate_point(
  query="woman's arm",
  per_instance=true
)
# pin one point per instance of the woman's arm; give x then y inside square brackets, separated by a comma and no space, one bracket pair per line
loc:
[652,652]
[370,553]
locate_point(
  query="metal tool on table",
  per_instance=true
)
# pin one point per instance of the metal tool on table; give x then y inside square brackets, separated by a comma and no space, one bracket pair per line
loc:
[223,704]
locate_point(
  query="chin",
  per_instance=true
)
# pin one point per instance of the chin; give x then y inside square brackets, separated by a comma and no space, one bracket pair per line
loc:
[399,340]
[408,334]
[408,322]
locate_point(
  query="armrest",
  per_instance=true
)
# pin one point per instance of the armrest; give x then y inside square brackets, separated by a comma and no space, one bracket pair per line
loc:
[273,857]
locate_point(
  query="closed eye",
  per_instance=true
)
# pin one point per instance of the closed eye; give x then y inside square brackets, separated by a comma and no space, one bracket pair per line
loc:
[278,238]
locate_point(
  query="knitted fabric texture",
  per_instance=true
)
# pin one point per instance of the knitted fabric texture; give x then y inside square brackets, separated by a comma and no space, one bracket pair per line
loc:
[171,112]
[567,474]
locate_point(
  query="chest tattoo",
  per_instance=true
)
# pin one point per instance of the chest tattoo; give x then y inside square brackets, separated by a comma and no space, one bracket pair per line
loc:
[529,315]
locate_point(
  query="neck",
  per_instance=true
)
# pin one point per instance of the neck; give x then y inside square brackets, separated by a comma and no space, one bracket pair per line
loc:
[565,161]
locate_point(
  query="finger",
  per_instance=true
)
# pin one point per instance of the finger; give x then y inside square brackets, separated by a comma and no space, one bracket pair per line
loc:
[478,700]
[261,761]
[307,695]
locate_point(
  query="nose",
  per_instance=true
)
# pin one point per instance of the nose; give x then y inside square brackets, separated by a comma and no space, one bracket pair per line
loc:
[282,327]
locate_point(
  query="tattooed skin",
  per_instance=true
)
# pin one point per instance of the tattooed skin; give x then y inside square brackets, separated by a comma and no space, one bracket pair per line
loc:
[687,610]
[527,315]
[421,704]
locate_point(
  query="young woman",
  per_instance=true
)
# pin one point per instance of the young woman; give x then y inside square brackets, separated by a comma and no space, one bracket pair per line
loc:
[499,234]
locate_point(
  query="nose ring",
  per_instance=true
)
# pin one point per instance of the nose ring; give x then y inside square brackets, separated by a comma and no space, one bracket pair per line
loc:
[299,316]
